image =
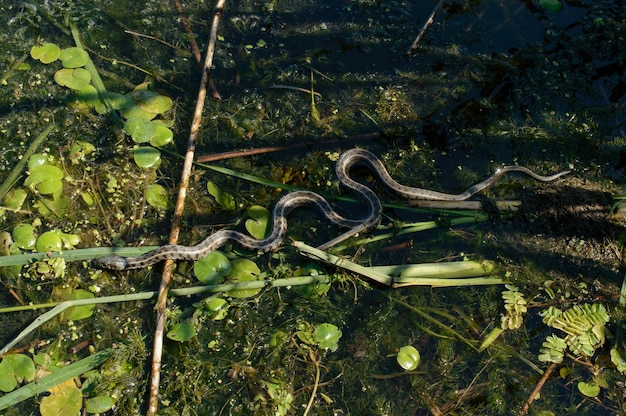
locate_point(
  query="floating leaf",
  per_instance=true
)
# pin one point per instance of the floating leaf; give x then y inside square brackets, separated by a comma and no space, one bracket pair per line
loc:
[162,135]
[589,389]
[226,200]
[25,236]
[157,196]
[76,313]
[14,369]
[131,111]
[243,270]
[212,268]
[67,400]
[73,57]
[46,179]
[181,332]
[15,198]
[46,53]
[619,359]
[99,404]
[327,336]
[217,308]
[49,241]
[312,290]
[75,79]
[408,357]
[258,225]
[88,95]
[147,157]
[141,131]
[151,101]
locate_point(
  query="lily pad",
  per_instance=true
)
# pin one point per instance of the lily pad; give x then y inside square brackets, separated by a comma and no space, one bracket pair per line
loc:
[75,79]
[76,313]
[212,268]
[36,160]
[312,290]
[15,198]
[151,101]
[132,111]
[73,57]
[157,196]
[141,131]
[258,225]
[99,404]
[88,95]
[243,270]
[162,135]
[46,53]
[46,179]
[25,236]
[619,359]
[217,308]
[408,357]
[226,200]
[181,332]
[589,389]
[67,400]
[327,336]
[147,157]
[14,369]
[49,241]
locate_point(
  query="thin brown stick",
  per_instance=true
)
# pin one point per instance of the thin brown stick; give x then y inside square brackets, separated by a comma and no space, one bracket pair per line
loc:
[290,147]
[537,388]
[420,35]
[157,350]
[194,47]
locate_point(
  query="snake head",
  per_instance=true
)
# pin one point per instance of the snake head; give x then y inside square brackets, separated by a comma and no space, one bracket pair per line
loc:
[112,262]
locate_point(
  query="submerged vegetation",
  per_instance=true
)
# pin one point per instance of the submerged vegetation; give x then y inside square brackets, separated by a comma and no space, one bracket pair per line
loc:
[511,306]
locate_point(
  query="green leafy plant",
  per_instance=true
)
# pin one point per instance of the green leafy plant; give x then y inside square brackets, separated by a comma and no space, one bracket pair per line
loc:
[408,357]
[515,306]
[584,326]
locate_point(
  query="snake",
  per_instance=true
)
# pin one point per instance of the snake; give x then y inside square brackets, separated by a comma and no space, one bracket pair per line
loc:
[292,200]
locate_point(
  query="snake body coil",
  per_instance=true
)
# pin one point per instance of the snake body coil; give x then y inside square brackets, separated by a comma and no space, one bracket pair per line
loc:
[295,199]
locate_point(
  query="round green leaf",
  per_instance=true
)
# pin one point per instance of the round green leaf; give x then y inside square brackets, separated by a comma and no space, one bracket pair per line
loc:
[243,270]
[226,200]
[212,268]
[217,308]
[15,198]
[73,57]
[46,179]
[327,336]
[311,290]
[589,389]
[619,359]
[147,157]
[14,369]
[99,404]
[49,241]
[36,160]
[157,196]
[181,332]
[24,236]
[141,131]
[258,225]
[132,111]
[551,5]
[162,136]
[46,53]
[76,313]
[408,357]
[75,79]
[151,101]
[88,95]
[66,400]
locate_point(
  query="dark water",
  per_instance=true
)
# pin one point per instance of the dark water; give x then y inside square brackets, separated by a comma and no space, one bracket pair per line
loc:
[491,83]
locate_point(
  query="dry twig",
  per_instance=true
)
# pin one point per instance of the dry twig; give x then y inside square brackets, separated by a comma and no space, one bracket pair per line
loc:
[420,35]
[157,349]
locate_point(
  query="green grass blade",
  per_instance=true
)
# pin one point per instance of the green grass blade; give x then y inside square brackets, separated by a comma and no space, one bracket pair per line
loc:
[59,376]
